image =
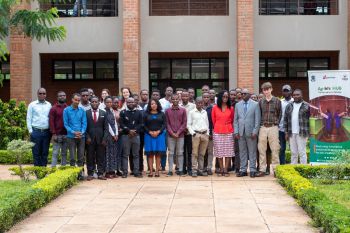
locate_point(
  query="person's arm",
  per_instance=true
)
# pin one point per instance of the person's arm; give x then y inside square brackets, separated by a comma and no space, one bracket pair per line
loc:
[145,123]
[163,123]
[213,116]
[122,120]
[52,121]
[235,122]
[183,123]
[257,120]
[168,123]
[207,122]
[66,121]
[285,120]
[29,118]
[279,110]
[83,123]
[189,124]
[139,126]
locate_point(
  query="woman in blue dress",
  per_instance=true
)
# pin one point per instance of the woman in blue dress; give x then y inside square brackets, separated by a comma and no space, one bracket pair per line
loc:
[155,134]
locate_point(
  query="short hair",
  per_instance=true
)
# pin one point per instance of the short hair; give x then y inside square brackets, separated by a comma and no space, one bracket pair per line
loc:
[155,90]
[179,89]
[143,91]
[76,94]
[109,97]
[266,85]
[159,106]
[190,88]
[205,85]
[298,89]
[83,90]
[95,97]
[135,95]
[60,92]
[173,95]
[199,98]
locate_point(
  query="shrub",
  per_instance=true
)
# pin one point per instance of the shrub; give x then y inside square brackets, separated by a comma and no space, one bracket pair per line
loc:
[331,216]
[16,205]
[27,158]
[12,122]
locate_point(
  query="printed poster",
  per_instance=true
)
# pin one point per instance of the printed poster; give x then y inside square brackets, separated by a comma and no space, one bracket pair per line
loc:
[329,93]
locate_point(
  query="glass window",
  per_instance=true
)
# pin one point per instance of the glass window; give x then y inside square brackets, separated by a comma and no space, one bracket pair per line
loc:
[5,70]
[262,68]
[200,68]
[298,67]
[105,69]
[319,64]
[181,69]
[160,69]
[277,68]
[219,68]
[84,70]
[63,70]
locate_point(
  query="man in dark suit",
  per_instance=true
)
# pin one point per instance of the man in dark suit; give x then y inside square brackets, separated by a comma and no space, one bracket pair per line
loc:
[96,134]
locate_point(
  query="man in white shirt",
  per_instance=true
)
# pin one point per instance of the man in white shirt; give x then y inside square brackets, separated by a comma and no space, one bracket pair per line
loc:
[38,127]
[198,126]
[287,94]
[187,166]
[165,102]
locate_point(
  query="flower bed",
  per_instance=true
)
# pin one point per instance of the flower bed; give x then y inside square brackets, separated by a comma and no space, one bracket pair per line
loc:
[325,212]
[18,199]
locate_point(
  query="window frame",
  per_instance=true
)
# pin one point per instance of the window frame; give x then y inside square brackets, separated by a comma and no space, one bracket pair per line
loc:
[7,76]
[115,68]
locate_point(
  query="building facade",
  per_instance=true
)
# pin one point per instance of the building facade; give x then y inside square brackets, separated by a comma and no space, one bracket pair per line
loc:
[183,43]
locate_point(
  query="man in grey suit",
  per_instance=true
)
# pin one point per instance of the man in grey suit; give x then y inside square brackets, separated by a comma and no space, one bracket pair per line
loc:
[246,128]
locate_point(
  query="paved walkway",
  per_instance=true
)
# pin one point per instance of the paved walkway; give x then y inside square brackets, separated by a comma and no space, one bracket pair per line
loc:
[186,204]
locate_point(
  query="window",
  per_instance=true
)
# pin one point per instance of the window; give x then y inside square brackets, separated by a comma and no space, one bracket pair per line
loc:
[298,7]
[92,8]
[274,68]
[5,70]
[181,69]
[85,69]
[188,7]
[160,69]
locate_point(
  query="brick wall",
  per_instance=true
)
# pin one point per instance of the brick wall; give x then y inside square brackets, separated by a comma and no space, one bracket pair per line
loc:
[131,45]
[245,44]
[21,63]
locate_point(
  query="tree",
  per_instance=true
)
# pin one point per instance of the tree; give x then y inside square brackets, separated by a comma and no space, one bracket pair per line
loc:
[37,24]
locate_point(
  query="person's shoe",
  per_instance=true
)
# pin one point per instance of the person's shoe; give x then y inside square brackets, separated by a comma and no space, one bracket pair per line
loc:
[89,178]
[124,175]
[177,172]
[267,173]
[138,175]
[108,176]
[182,174]
[194,174]
[119,173]
[217,170]
[202,174]
[252,174]
[101,177]
[241,174]
[237,171]
[170,174]
[132,173]
[260,174]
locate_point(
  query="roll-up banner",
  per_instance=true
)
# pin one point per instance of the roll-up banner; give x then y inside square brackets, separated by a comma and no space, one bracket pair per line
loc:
[329,92]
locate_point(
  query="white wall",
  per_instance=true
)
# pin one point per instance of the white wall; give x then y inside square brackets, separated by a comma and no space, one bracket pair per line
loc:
[84,35]
[187,34]
[301,32]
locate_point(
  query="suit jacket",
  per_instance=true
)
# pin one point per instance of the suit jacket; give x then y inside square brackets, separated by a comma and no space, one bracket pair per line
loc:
[247,123]
[96,131]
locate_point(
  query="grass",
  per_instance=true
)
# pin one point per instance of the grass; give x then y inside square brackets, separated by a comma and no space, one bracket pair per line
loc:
[9,187]
[338,192]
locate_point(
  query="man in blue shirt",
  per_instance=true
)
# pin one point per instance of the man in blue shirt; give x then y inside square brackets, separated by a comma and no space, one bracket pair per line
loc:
[74,118]
[38,127]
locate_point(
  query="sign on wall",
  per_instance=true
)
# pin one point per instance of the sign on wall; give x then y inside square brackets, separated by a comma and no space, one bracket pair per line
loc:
[329,93]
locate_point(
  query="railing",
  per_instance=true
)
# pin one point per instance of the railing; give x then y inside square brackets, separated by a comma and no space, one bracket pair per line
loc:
[84,8]
[298,7]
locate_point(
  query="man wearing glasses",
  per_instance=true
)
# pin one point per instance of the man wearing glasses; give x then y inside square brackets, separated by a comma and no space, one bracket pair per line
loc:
[38,127]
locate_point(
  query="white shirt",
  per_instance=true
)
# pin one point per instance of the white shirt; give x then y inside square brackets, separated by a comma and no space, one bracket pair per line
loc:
[189,107]
[102,106]
[38,115]
[111,130]
[85,107]
[295,118]
[165,104]
[284,104]
[197,121]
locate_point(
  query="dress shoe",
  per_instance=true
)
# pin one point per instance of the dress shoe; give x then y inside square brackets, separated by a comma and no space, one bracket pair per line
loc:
[260,174]
[138,175]
[119,173]
[267,173]
[170,174]
[181,174]
[132,173]
[100,177]
[124,175]
[194,174]
[89,178]
[108,176]
[210,173]
[252,174]
[202,174]
[241,174]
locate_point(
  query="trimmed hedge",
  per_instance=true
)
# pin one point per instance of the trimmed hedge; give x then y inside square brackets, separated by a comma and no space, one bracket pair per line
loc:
[340,172]
[16,206]
[7,158]
[331,216]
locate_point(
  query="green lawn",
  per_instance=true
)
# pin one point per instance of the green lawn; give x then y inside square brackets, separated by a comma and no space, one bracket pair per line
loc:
[9,187]
[338,192]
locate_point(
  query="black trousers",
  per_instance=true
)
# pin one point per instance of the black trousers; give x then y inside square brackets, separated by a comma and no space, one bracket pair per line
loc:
[187,153]
[131,161]
[96,155]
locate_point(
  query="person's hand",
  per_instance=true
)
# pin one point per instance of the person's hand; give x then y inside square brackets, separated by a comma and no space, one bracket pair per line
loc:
[237,136]
[253,136]
[104,143]
[115,138]
[54,137]
[176,135]
[88,141]
[286,137]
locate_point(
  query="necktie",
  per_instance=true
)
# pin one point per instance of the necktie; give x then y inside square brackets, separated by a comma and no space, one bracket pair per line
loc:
[245,107]
[95,116]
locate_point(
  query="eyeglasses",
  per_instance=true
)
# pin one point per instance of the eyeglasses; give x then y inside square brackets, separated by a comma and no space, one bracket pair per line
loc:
[244,93]
[40,93]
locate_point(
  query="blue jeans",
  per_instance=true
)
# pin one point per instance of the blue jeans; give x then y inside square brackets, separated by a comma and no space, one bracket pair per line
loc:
[40,150]
[78,5]
[282,139]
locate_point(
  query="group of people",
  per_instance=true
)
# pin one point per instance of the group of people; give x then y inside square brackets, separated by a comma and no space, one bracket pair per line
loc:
[235,129]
